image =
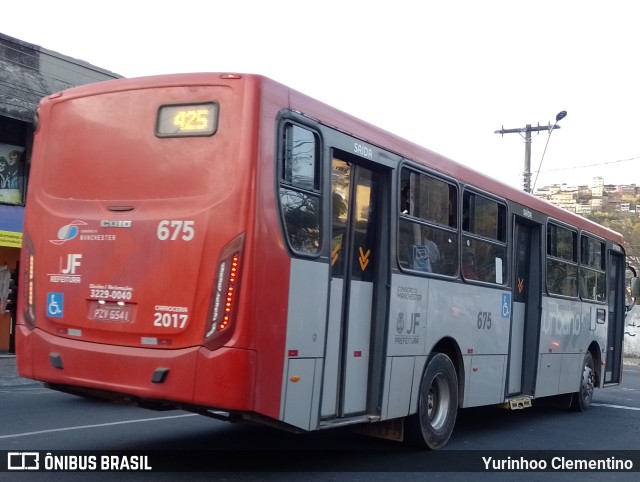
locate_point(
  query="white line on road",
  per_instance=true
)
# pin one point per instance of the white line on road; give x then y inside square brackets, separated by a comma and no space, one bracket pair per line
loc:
[81,427]
[614,406]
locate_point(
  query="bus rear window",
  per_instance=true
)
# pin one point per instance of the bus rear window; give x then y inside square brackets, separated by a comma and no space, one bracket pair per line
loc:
[127,145]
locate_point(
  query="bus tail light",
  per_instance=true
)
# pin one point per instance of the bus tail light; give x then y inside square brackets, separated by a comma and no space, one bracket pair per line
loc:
[224,298]
[28,285]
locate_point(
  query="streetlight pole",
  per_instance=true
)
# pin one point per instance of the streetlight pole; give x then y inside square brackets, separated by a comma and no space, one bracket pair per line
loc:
[527,130]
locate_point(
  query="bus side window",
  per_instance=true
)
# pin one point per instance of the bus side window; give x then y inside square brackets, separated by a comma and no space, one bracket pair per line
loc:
[300,188]
[428,235]
[562,261]
[425,256]
[469,265]
[592,269]
[484,250]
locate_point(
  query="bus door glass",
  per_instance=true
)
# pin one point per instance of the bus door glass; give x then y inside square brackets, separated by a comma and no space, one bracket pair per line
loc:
[615,330]
[355,191]
[525,315]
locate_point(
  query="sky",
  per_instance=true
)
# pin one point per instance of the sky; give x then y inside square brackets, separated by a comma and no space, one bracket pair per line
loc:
[443,74]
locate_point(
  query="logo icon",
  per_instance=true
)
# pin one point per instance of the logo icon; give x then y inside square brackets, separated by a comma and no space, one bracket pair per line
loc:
[400,323]
[68,232]
[55,305]
[506,305]
[115,224]
[23,461]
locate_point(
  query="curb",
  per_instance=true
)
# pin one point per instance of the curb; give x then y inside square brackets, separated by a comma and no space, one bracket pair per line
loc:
[9,375]
[17,381]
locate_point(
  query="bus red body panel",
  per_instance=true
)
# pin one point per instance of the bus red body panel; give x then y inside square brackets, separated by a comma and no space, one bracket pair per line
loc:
[129,236]
[24,360]
[121,369]
[225,379]
[229,372]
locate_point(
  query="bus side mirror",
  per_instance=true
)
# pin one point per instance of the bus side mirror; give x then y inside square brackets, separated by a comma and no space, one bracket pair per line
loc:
[634,291]
[635,287]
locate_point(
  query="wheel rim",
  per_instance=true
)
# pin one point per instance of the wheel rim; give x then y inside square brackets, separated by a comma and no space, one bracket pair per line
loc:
[587,382]
[438,401]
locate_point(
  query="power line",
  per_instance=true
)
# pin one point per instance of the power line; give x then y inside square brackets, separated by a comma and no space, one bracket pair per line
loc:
[591,165]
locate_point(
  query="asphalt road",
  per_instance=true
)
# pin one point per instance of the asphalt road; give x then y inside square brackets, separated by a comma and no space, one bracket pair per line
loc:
[33,418]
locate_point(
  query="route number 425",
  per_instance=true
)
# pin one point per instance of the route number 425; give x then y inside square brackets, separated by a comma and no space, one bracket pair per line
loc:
[174,229]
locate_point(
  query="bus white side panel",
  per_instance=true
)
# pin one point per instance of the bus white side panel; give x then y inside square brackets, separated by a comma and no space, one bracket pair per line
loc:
[418,370]
[358,344]
[570,372]
[425,310]
[568,328]
[517,347]
[308,291]
[485,379]
[332,359]
[548,374]
[397,399]
[402,378]
[408,316]
[307,315]
[299,399]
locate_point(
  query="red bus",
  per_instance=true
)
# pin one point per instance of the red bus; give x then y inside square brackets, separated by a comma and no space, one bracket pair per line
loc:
[223,244]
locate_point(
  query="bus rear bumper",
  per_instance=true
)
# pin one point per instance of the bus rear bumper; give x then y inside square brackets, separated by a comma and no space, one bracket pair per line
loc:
[190,376]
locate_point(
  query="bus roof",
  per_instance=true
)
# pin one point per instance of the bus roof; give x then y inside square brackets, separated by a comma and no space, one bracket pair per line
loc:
[440,163]
[330,116]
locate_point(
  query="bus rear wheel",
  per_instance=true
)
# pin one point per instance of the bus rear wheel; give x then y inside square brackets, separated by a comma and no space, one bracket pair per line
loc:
[582,398]
[432,425]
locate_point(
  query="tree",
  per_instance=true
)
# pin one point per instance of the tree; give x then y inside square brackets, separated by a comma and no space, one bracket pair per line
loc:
[626,224]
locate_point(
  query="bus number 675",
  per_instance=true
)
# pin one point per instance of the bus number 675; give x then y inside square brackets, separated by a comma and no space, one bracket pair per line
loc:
[171,230]
[484,320]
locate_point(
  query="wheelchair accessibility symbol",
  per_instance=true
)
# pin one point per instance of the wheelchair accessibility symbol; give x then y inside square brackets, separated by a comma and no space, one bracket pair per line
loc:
[506,305]
[55,305]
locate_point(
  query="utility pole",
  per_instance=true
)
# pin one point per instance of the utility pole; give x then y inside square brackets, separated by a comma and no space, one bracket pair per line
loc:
[528,129]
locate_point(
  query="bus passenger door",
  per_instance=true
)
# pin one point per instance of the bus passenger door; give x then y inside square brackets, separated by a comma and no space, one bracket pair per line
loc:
[354,255]
[615,318]
[525,312]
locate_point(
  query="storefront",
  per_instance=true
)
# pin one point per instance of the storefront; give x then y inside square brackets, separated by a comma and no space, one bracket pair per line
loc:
[10,243]
[15,137]
[27,73]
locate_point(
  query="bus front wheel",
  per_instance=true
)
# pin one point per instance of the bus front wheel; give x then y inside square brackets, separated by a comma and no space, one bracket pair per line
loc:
[582,398]
[433,423]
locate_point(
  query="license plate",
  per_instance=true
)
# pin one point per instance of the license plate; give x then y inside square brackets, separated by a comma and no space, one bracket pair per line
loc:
[109,311]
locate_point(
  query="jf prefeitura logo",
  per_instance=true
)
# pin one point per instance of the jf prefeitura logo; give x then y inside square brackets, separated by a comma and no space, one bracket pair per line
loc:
[35,461]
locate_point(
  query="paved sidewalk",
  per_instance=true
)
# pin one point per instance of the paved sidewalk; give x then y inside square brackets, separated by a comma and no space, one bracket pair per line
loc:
[629,361]
[9,375]
[8,372]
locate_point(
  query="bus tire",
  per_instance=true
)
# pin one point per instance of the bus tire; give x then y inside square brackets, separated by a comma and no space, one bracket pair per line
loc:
[433,423]
[582,398]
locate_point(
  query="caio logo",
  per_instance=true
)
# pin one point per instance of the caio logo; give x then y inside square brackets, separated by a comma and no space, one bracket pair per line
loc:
[115,224]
